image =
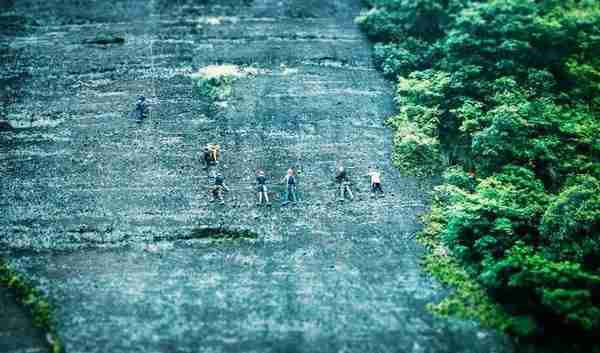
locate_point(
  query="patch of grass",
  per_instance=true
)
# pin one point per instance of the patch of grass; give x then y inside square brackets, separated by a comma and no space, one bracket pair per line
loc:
[213,84]
[214,88]
[214,81]
[32,299]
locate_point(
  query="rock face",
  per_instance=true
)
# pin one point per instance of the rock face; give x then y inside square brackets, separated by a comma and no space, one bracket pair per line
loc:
[98,209]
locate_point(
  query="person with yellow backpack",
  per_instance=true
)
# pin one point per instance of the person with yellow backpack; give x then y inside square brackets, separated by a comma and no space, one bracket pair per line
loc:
[211,154]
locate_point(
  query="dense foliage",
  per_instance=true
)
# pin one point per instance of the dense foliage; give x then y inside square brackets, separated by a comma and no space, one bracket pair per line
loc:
[504,95]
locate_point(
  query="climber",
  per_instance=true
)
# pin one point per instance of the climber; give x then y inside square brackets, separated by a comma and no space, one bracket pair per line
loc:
[141,110]
[219,188]
[341,177]
[261,187]
[290,181]
[375,176]
[211,154]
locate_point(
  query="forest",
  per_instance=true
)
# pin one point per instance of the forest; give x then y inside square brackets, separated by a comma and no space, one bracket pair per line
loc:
[501,98]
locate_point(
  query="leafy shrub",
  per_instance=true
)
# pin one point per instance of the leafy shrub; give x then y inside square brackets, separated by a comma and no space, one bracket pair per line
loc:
[560,291]
[214,88]
[456,176]
[504,209]
[400,59]
[469,299]
[571,224]
[392,20]
[414,150]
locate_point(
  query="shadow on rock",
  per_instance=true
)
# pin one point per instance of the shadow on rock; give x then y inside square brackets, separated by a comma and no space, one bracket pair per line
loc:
[105,39]
[202,232]
[5,126]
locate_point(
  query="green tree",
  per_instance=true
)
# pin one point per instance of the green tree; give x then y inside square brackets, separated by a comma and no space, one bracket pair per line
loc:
[392,20]
[504,208]
[508,90]
[560,291]
[571,225]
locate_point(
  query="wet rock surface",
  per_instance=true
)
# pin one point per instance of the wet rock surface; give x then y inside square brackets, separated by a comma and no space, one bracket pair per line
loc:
[98,210]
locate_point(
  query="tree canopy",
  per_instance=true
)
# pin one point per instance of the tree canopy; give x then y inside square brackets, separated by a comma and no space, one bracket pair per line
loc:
[504,96]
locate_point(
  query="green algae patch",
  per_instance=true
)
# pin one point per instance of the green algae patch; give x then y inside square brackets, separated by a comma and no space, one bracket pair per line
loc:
[35,302]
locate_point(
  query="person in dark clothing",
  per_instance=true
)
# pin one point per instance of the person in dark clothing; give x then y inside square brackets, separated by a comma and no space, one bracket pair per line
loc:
[141,110]
[290,193]
[341,177]
[261,187]
[220,180]
[219,188]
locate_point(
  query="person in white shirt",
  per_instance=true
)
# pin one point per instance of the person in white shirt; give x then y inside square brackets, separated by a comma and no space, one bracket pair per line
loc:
[375,176]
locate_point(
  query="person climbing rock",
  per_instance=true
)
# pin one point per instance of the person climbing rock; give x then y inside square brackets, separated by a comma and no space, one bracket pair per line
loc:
[343,181]
[211,154]
[219,188]
[141,110]
[290,193]
[261,188]
[375,176]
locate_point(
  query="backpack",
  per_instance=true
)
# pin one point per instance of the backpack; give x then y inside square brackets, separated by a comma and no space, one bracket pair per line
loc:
[341,175]
[212,153]
[291,180]
[261,180]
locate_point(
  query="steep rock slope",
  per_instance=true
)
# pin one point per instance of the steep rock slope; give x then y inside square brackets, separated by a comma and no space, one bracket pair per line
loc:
[98,210]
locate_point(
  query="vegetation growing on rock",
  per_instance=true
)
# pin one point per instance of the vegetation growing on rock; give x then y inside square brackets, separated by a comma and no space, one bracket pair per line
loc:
[214,82]
[506,92]
[33,300]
